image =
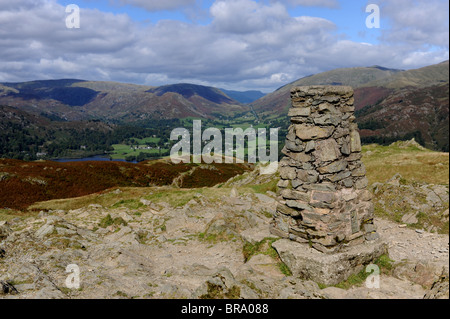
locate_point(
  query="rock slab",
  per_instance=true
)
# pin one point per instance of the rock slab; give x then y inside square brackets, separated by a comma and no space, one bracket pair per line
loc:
[329,269]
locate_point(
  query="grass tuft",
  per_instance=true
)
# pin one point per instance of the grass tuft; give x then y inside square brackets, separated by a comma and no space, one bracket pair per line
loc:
[108,221]
[265,247]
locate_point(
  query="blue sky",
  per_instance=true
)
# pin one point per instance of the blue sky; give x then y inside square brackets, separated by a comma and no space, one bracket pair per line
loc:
[233,44]
[349,16]
[136,13]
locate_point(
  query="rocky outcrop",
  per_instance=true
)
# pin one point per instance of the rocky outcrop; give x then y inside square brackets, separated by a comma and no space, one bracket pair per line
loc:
[223,285]
[181,243]
[440,289]
[4,230]
[416,204]
[7,288]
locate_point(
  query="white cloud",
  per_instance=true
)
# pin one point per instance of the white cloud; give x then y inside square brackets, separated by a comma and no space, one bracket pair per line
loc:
[18,5]
[246,16]
[59,65]
[247,45]
[412,59]
[419,22]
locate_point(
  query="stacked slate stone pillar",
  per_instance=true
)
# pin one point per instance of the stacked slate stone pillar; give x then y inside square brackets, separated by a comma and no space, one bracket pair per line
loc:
[324,201]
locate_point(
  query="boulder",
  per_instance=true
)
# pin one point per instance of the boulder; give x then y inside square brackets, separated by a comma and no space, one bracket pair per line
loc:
[44,231]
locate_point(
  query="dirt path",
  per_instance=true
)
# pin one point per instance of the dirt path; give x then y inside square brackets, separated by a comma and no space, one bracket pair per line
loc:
[415,245]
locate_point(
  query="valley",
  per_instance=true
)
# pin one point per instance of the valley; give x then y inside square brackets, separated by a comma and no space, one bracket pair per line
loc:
[154,230]
[224,157]
[76,118]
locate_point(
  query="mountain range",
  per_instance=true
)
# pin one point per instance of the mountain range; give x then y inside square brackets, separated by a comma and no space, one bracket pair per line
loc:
[390,104]
[72,99]
[244,96]
[370,84]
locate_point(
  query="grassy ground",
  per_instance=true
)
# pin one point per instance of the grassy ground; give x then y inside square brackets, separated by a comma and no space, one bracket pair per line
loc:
[8,214]
[417,166]
[121,151]
[25,183]
[147,140]
[414,164]
[130,197]
[382,162]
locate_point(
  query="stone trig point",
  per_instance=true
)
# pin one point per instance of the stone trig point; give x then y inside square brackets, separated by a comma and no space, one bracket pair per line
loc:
[325,211]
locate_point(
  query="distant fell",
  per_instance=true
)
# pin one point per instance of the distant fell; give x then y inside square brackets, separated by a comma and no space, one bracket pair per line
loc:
[73,100]
[427,76]
[279,101]
[189,90]
[390,104]
[244,96]
[412,112]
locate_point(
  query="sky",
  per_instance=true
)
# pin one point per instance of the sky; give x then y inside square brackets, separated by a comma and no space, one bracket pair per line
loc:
[230,44]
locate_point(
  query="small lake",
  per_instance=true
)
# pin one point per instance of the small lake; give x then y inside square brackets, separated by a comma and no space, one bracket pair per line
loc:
[98,158]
